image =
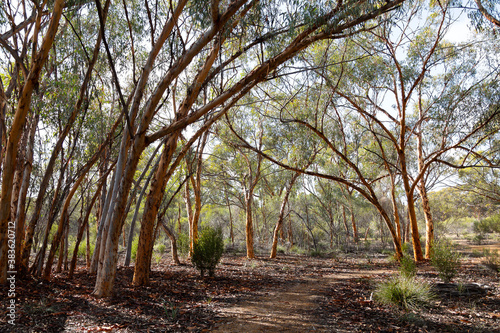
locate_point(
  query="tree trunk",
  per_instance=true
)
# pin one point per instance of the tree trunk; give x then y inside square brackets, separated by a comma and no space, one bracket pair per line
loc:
[18,175]
[23,107]
[417,248]
[231,231]
[189,210]
[136,214]
[249,226]
[63,252]
[155,196]
[102,221]
[344,219]
[395,208]
[84,225]
[196,182]
[87,250]
[281,217]
[21,209]
[354,227]
[429,223]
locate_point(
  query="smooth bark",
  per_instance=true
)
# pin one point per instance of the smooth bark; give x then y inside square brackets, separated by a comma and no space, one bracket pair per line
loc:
[23,106]
[281,217]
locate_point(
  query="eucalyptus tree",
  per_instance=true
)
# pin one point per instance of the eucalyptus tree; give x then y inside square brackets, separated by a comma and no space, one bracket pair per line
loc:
[440,100]
[293,146]
[247,166]
[482,181]
[223,185]
[336,131]
[441,107]
[486,10]
[31,75]
[218,54]
[62,98]
[220,29]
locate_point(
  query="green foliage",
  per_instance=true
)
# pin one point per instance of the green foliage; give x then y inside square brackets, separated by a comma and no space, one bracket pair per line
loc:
[407,293]
[445,259]
[207,250]
[171,310]
[491,260]
[160,248]
[135,245]
[297,250]
[82,248]
[316,253]
[488,225]
[477,238]
[281,249]
[407,267]
[183,244]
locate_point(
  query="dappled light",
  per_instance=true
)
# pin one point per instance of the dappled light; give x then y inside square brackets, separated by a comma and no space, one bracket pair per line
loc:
[249,166]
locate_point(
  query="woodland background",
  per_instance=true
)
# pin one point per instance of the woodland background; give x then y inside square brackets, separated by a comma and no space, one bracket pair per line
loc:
[294,126]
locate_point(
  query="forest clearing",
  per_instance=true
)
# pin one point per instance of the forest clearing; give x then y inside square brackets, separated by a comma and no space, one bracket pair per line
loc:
[258,165]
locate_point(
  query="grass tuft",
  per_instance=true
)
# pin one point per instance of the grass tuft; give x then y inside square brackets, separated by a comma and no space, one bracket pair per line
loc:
[404,292]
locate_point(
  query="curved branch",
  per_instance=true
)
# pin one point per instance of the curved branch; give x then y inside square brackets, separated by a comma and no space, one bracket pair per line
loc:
[486,14]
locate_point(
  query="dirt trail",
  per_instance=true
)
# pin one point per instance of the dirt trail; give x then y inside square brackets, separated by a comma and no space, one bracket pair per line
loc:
[281,311]
[292,310]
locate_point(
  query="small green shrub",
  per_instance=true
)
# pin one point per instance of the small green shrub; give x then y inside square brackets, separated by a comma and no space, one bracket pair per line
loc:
[477,239]
[407,267]
[404,292]
[183,243]
[491,260]
[160,248]
[445,259]
[208,250]
[157,258]
[407,248]
[281,249]
[487,225]
[297,250]
[135,246]
[316,253]
[82,248]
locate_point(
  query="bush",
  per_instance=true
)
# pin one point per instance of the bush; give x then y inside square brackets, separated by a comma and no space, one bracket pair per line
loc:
[281,249]
[135,246]
[407,267]
[407,249]
[183,243]
[445,259]
[208,250]
[82,248]
[487,225]
[160,248]
[477,239]
[316,253]
[404,292]
[491,260]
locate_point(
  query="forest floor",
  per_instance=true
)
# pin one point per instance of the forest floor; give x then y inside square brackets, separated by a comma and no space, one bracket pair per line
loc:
[290,294]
